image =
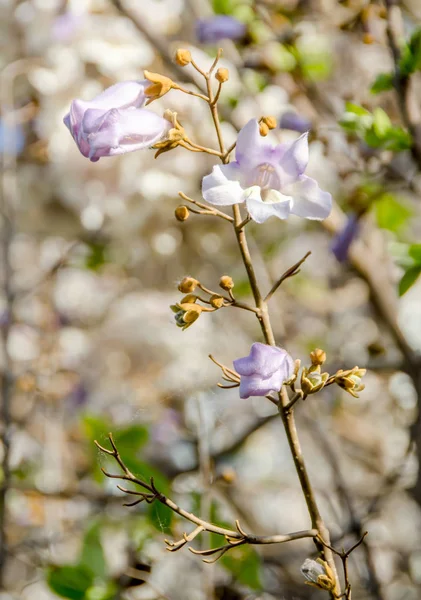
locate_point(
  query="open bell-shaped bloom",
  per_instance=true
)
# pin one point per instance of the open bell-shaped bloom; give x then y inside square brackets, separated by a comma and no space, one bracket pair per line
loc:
[114,122]
[264,370]
[269,179]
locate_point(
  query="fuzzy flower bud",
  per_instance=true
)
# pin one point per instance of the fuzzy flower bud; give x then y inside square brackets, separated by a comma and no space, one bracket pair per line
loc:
[312,380]
[270,122]
[182,57]
[160,86]
[182,213]
[216,301]
[226,283]
[318,357]
[350,380]
[222,75]
[186,312]
[263,129]
[187,285]
[318,574]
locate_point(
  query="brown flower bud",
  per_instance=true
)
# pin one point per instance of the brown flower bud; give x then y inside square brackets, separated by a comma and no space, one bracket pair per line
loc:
[270,122]
[228,475]
[226,283]
[222,75]
[264,129]
[187,285]
[182,213]
[368,38]
[318,357]
[216,301]
[182,57]
[160,85]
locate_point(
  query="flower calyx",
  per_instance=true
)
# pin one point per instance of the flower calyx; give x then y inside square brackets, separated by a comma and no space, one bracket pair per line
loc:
[160,85]
[350,380]
[318,574]
[186,311]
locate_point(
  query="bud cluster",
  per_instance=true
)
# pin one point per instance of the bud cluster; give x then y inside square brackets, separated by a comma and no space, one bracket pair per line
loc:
[318,574]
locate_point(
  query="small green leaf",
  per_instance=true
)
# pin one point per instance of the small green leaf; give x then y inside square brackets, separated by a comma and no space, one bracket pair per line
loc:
[391,214]
[70,581]
[414,252]
[408,279]
[381,123]
[350,107]
[382,83]
[244,563]
[160,516]
[92,556]
[102,592]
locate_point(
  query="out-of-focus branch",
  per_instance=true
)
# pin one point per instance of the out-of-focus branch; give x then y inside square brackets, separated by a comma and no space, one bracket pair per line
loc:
[149,493]
[408,103]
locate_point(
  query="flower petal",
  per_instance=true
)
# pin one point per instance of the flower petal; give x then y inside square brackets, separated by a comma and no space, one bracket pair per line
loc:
[276,204]
[309,201]
[222,186]
[294,159]
[120,95]
[121,131]
[252,149]
[254,385]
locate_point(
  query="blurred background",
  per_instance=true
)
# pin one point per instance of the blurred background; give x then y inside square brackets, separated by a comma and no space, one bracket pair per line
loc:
[91,258]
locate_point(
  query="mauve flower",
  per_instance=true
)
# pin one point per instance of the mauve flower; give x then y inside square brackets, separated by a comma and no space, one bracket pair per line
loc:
[114,122]
[342,241]
[269,179]
[219,27]
[294,122]
[264,370]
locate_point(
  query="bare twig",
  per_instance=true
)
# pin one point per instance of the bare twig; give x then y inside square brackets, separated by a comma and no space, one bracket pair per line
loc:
[152,494]
[207,210]
[288,273]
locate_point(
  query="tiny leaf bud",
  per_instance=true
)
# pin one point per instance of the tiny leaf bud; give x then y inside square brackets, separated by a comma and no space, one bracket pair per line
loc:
[222,75]
[216,301]
[187,285]
[264,129]
[318,357]
[182,213]
[182,57]
[270,122]
[226,283]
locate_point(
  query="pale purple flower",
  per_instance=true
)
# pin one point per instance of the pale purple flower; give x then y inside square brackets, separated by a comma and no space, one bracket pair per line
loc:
[264,370]
[219,27]
[342,241]
[294,122]
[269,179]
[114,122]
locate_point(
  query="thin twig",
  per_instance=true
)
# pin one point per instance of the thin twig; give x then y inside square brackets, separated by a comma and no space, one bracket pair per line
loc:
[288,273]
[210,210]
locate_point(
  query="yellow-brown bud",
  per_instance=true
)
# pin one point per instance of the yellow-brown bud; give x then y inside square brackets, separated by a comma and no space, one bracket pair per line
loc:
[182,57]
[160,85]
[216,301]
[318,357]
[187,285]
[368,38]
[270,122]
[228,475]
[222,75]
[264,129]
[182,213]
[226,283]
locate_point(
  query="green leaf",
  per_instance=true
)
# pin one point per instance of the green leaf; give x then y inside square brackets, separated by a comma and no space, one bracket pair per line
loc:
[382,83]
[223,7]
[70,581]
[391,213]
[350,107]
[381,122]
[414,252]
[97,256]
[102,592]
[408,279]
[244,563]
[160,516]
[92,556]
